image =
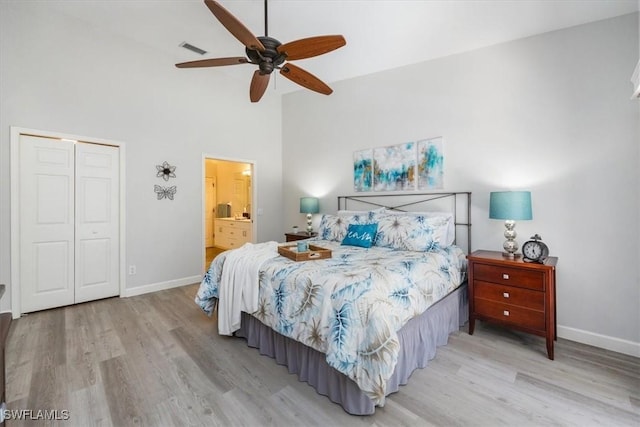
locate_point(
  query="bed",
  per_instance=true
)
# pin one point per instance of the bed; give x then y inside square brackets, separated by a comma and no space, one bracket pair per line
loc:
[356,325]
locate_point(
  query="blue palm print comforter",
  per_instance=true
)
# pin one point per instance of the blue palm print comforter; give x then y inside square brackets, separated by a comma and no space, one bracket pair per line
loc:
[351,306]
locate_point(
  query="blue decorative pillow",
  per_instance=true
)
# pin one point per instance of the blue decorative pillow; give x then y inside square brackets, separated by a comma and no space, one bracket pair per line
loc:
[360,235]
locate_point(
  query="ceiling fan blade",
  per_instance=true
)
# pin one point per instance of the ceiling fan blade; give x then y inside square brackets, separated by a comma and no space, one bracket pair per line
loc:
[304,78]
[234,26]
[312,46]
[216,62]
[259,84]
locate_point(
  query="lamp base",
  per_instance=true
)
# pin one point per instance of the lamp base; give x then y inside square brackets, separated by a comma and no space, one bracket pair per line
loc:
[309,226]
[510,255]
[510,245]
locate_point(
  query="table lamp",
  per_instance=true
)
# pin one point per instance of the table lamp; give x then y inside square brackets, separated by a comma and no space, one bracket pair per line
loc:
[510,206]
[309,206]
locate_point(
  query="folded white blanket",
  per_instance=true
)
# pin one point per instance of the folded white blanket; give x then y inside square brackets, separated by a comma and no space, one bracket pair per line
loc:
[238,288]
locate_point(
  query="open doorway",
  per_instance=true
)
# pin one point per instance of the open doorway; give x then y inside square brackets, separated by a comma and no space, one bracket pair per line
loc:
[228,205]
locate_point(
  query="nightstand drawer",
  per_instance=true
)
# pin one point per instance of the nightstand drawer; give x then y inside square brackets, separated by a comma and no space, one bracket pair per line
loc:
[531,279]
[520,316]
[533,300]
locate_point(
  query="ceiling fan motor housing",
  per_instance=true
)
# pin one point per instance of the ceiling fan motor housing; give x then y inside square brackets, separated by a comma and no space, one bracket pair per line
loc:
[269,54]
[269,59]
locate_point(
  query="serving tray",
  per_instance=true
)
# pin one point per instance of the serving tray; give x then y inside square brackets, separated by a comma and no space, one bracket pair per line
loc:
[314,252]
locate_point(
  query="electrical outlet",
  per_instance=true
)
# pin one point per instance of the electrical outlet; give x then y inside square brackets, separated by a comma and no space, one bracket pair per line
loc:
[132,270]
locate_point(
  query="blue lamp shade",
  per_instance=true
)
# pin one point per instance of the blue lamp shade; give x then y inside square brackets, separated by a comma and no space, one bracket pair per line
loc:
[309,205]
[509,205]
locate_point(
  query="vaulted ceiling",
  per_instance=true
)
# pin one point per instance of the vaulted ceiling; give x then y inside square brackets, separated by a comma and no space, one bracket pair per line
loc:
[380,34]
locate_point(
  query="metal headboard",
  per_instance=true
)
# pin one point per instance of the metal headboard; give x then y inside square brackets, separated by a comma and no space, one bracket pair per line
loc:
[458,203]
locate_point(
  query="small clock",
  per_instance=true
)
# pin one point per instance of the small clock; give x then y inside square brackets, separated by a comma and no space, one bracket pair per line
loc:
[534,250]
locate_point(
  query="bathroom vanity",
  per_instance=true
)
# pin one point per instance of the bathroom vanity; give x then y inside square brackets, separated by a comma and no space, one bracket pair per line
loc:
[232,233]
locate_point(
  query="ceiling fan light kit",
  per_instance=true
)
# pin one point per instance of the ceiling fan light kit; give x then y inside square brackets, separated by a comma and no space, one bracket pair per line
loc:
[269,54]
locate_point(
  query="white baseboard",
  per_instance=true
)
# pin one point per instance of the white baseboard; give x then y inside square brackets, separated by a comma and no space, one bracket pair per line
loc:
[603,341]
[161,286]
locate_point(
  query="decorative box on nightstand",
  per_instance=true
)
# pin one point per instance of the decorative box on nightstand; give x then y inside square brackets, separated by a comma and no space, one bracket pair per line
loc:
[513,293]
[300,235]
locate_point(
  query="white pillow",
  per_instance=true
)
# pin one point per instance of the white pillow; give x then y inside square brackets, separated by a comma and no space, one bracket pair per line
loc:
[361,217]
[352,213]
[411,232]
[449,235]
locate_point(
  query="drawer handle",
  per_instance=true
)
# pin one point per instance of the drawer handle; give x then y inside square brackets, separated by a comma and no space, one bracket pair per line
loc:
[505,312]
[505,276]
[505,294]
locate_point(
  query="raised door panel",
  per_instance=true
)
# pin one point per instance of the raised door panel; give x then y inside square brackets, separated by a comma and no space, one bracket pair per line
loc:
[245,232]
[209,210]
[220,237]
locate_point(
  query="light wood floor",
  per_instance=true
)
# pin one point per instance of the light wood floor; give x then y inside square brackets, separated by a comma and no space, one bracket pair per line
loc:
[157,360]
[211,253]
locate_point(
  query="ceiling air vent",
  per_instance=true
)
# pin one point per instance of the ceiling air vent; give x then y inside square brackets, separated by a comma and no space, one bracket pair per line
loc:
[192,48]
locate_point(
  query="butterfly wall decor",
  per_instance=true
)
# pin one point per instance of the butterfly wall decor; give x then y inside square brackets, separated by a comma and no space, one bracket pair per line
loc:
[165,171]
[165,192]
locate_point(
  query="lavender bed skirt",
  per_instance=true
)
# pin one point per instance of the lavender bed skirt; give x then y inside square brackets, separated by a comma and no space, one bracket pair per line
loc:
[419,339]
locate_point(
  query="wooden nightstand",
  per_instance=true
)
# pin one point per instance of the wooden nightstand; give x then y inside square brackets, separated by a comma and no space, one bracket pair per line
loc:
[300,235]
[513,293]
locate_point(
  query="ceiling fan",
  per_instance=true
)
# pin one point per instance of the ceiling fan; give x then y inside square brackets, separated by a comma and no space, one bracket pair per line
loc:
[269,54]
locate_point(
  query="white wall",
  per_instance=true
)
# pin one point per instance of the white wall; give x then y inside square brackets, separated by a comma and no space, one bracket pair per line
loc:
[550,113]
[58,74]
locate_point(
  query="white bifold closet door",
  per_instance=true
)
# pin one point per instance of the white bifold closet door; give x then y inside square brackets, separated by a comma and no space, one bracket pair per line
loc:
[97,222]
[69,222]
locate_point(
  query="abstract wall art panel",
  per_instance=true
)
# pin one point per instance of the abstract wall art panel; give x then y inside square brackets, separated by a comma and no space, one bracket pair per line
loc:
[430,164]
[394,167]
[363,170]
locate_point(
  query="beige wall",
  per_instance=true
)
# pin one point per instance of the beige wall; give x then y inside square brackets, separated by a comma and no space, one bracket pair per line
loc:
[233,186]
